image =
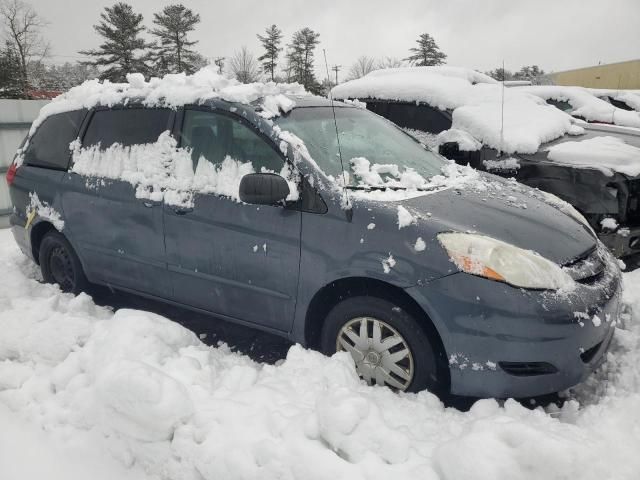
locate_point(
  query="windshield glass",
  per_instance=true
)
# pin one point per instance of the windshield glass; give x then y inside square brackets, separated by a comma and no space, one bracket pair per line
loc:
[374,151]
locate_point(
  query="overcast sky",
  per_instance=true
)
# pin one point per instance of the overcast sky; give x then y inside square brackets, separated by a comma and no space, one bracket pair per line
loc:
[555,34]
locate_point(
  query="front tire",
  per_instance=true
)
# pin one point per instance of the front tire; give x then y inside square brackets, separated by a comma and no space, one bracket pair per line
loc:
[60,264]
[386,343]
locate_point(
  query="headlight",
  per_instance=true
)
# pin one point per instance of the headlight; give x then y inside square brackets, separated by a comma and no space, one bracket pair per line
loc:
[567,208]
[497,260]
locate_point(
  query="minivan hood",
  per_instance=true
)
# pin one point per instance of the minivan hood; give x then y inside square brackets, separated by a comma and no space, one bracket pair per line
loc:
[510,212]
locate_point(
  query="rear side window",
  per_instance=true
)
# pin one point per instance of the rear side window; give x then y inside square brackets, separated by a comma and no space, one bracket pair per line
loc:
[410,115]
[132,126]
[49,146]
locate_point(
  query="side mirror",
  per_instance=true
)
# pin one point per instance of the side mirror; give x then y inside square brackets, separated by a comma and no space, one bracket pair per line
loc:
[451,150]
[263,188]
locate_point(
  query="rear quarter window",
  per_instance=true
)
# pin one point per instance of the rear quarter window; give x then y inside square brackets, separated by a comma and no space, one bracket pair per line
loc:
[409,115]
[131,126]
[49,145]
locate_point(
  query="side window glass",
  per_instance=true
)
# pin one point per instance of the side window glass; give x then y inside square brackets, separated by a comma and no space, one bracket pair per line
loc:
[127,126]
[213,138]
[49,146]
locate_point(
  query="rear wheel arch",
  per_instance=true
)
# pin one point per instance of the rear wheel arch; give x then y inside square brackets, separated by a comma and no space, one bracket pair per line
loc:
[333,293]
[38,232]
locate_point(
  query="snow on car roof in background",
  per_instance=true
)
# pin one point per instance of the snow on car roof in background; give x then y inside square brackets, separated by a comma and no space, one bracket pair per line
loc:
[477,109]
[630,97]
[173,90]
[585,104]
[472,76]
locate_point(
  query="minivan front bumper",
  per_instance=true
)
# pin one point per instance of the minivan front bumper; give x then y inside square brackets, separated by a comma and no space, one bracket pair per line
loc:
[503,341]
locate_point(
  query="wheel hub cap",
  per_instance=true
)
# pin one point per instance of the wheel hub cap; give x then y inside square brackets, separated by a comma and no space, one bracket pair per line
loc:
[382,356]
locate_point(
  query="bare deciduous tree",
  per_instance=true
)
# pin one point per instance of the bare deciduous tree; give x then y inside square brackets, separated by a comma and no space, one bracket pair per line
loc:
[361,67]
[244,66]
[22,26]
[390,62]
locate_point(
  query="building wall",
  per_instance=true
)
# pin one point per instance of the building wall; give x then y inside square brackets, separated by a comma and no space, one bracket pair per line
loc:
[623,75]
[16,117]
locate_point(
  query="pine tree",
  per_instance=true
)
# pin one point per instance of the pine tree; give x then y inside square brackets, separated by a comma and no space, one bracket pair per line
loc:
[271,43]
[300,58]
[121,28]
[173,55]
[427,53]
[10,73]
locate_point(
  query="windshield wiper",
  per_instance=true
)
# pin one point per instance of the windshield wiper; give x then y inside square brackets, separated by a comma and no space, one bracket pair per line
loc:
[387,187]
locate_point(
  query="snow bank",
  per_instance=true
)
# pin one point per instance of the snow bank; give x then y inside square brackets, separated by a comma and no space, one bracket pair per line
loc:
[584,104]
[476,109]
[146,393]
[607,154]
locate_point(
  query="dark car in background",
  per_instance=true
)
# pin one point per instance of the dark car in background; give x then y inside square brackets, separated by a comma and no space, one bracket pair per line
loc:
[607,198]
[401,259]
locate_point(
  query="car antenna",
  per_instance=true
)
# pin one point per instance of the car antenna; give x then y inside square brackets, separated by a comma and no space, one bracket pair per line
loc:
[348,208]
[504,77]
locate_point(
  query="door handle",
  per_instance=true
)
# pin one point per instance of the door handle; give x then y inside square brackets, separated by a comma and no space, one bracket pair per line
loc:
[148,204]
[182,210]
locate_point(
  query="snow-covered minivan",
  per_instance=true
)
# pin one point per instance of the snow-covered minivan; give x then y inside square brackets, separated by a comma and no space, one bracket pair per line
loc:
[242,201]
[514,132]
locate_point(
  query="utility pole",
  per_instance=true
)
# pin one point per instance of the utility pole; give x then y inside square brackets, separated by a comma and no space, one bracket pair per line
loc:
[336,68]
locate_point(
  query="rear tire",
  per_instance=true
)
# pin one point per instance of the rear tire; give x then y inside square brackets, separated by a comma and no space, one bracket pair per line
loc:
[377,333]
[60,264]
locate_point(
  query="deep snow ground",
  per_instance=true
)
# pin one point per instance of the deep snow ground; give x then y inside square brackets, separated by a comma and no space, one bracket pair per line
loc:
[85,391]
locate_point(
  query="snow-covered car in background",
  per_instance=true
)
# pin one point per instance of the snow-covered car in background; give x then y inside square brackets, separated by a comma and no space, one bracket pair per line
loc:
[624,99]
[584,104]
[241,201]
[472,119]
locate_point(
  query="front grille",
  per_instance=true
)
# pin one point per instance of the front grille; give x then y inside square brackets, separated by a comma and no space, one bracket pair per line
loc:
[527,369]
[588,269]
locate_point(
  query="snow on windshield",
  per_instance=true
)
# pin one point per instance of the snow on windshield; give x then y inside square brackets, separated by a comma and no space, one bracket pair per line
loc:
[607,154]
[584,104]
[476,109]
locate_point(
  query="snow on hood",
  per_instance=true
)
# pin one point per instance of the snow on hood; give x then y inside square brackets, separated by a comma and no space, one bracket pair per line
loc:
[476,109]
[607,154]
[173,90]
[585,104]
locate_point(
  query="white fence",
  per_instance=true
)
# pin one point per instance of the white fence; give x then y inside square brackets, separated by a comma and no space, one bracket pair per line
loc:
[15,119]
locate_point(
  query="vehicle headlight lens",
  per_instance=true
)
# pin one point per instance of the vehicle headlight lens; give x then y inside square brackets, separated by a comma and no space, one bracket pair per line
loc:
[567,208]
[497,260]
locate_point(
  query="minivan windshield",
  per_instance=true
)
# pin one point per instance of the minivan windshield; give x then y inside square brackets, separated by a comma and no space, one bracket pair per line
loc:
[375,152]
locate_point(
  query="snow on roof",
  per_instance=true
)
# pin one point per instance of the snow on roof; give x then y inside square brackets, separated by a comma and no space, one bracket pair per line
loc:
[607,154]
[172,90]
[585,104]
[476,109]
[467,74]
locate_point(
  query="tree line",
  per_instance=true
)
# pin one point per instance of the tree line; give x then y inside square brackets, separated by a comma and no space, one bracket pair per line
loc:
[166,46]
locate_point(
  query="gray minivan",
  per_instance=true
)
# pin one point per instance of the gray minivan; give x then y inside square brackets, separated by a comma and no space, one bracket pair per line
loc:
[431,275]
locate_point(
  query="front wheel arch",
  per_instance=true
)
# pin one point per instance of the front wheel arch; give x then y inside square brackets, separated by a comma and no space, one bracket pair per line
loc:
[333,293]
